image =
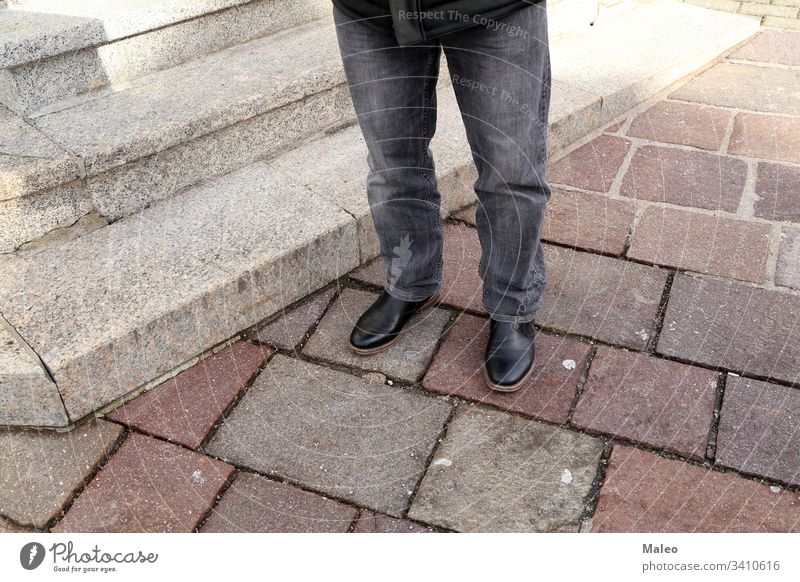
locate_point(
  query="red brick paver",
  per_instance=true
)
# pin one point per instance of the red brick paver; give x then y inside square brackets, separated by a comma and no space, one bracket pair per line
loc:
[771,46]
[766,136]
[457,370]
[685,177]
[646,493]
[371,522]
[759,429]
[287,331]
[777,186]
[592,166]
[682,124]
[648,400]
[148,486]
[255,504]
[787,272]
[185,408]
[692,241]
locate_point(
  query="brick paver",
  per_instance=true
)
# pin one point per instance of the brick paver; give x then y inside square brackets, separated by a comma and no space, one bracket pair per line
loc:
[589,221]
[648,400]
[406,360]
[592,166]
[759,429]
[780,47]
[646,493]
[40,470]
[148,486]
[457,370]
[291,328]
[255,504]
[734,326]
[685,177]
[608,299]
[682,124]
[371,522]
[333,433]
[766,136]
[499,472]
[693,241]
[185,408]
[787,271]
[777,186]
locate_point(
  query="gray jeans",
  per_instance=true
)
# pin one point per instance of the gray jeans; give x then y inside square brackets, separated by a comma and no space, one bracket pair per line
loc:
[501,77]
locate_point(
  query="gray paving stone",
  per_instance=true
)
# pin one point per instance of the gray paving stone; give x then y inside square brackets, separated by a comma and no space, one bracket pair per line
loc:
[406,360]
[334,433]
[787,272]
[40,470]
[498,472]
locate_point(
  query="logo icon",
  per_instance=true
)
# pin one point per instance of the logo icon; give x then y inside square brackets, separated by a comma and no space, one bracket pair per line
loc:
[31,555]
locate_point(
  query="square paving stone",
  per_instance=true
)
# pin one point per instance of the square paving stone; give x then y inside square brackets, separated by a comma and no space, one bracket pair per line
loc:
[334,433]
[685,177]
[148,486]
[648,400]
[769,89]
[771,46]
[646,493]
[499,472]
[406,360]
[40,470]
[592,166]
[370,522]
[766,136]
[693,241]
[255,504]
[291,328]
[682,124]
[457,370]
[586,220]
[733,326]
[608,299]
[777,186]
[185,408]
[787,272]
[759,429]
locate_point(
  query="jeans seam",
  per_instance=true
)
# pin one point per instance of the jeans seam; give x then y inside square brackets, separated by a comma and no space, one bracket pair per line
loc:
[403,296]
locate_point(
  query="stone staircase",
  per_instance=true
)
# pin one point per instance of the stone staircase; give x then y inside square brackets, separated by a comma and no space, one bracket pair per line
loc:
[175,171]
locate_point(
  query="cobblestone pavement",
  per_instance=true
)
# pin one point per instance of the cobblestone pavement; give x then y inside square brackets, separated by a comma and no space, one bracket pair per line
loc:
[775,13]
[665,396]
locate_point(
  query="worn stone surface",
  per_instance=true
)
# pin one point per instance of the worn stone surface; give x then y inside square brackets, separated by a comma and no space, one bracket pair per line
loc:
[334,433]
[457,370]
[291,328]
[185,408]
[734,326]
[608,299]
[488,454]
[27,395]
[84,225]
[371,522]
[685,177]
[787,272]
[592,166]
[40,470]
[148,486]
[647,400]
[646,493]
[405,360]
[589,221]
[692,241]
[683,124]
[758,430]
[255,504]
[173,281]
[771,46]
[769,89]
[766,136]
[8,527]
[776,187]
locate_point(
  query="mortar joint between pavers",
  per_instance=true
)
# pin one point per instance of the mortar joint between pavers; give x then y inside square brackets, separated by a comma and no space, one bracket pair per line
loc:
[587,364]
[217,498]
[593,495]
[658,323]
[711,445]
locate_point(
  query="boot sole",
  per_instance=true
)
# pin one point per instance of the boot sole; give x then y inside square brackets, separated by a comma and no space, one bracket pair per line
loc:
[372,351]
[507,387]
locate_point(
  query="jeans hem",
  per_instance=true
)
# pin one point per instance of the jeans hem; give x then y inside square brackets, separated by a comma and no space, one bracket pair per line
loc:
[394,292]
[513,318]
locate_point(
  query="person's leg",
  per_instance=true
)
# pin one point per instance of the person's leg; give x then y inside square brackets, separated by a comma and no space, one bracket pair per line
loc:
[501,76]
[393,90]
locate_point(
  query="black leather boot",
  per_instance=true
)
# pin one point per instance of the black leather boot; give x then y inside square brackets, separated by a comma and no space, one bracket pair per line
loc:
[380,325]
[509,355]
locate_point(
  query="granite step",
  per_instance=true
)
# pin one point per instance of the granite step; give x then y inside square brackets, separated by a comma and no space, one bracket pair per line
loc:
[140,298]
[56,50]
